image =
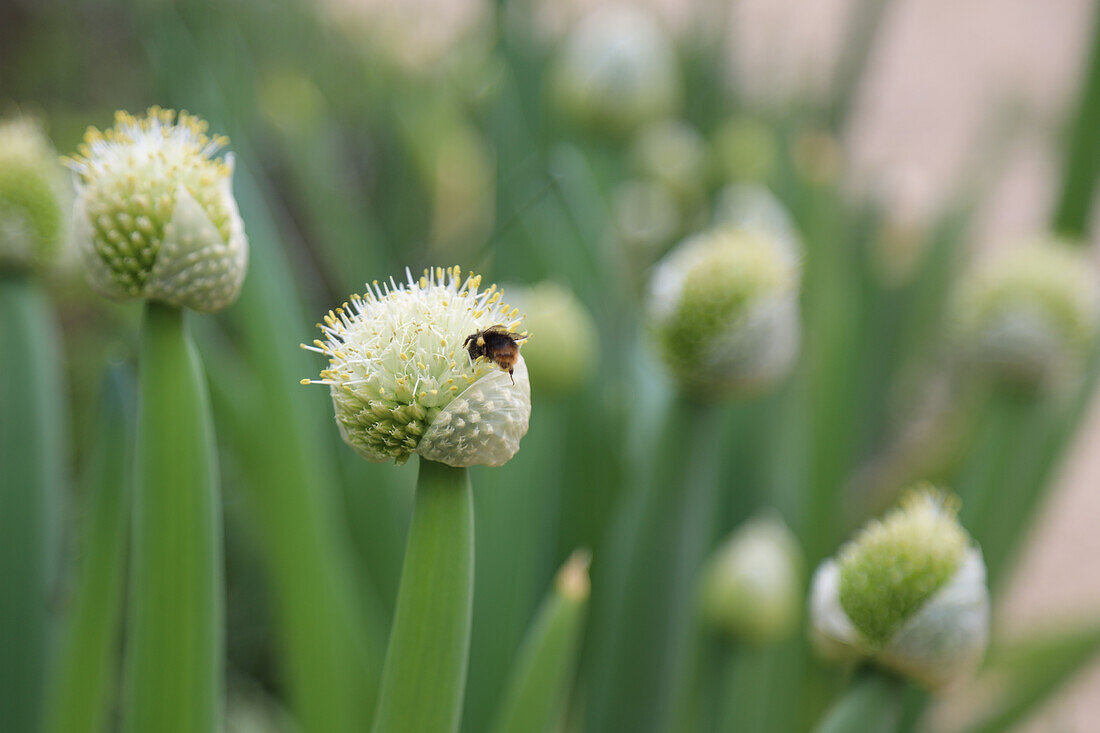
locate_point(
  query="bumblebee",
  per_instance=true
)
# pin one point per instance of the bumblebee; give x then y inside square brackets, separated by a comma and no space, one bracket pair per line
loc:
[498,345]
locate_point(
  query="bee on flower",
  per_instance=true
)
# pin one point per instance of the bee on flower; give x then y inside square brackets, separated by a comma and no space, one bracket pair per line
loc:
[405,378]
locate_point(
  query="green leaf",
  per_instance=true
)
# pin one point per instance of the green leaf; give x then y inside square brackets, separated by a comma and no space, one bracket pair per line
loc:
[32,462]
[1029,673]
[534,698]
[84,684]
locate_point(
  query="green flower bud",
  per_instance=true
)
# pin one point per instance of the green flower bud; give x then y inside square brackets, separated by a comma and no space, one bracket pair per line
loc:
[617,70]
[908,592]
[746,149]
[752,586]
[672,152]
[754,208]
[1029,316]
[155,216]
[567,349]
[646,217]
[32,188]
[724,310]
[403,380]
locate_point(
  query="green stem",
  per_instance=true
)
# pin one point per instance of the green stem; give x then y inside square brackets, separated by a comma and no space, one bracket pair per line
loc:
[424,676]
[84,682]
[534,700]
[674,519]
[871,705]
[176,635]
[32,460]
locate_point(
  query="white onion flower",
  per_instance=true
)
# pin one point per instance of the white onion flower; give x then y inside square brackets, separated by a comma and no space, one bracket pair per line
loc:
[1029,316]
[32,189]
[723,306]
[752,586]
[617,70]
[908,592]
[403,382]
[155,216]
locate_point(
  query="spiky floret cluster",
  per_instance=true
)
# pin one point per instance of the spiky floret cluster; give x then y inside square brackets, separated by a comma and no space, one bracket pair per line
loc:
[909,592]
[894,565]
[1030,314]
[724,310]
[402,381]
[31,190]
[155,216]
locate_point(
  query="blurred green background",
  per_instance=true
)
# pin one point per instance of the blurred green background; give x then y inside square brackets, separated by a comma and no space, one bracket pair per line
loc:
[905,139]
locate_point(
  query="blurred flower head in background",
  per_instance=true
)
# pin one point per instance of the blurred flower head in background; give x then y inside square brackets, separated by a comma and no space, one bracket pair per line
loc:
[567,349]
[675,154]
[616,70]
[908,591]
[754,208]
[154,216]
[752,585]
[33,195]
[1029,316]
[723,306]
[403,382]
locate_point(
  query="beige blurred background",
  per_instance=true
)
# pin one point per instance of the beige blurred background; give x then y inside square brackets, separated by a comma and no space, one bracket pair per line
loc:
[939,72]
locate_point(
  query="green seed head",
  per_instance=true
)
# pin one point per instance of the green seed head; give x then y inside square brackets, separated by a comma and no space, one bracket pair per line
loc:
[897,563]
[746,150]
[403,379]
[723,308]
[32,189]
[752,587]
[617,70]
[567,349]
[155,216]
[1030,315]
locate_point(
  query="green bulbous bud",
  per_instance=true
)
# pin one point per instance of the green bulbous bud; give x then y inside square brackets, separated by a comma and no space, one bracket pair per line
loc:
[672,152]
[617,70]
[567,349]
[908,592]
[754,208]
[752,586]
[746,149]
[1029,317]
[646,217]
[155,216]
[723,307]
[32,189]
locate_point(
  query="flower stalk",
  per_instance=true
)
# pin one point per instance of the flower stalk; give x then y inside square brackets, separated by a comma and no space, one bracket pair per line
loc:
[424,676]
[176,634]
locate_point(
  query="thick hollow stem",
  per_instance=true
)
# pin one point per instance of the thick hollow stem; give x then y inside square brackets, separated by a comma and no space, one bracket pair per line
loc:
[176,635]
[424,676]
[32,457]
[871,705]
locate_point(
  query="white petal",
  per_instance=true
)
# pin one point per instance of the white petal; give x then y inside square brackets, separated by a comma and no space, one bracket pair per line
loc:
[947,637]
[194,266]
[483,425]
